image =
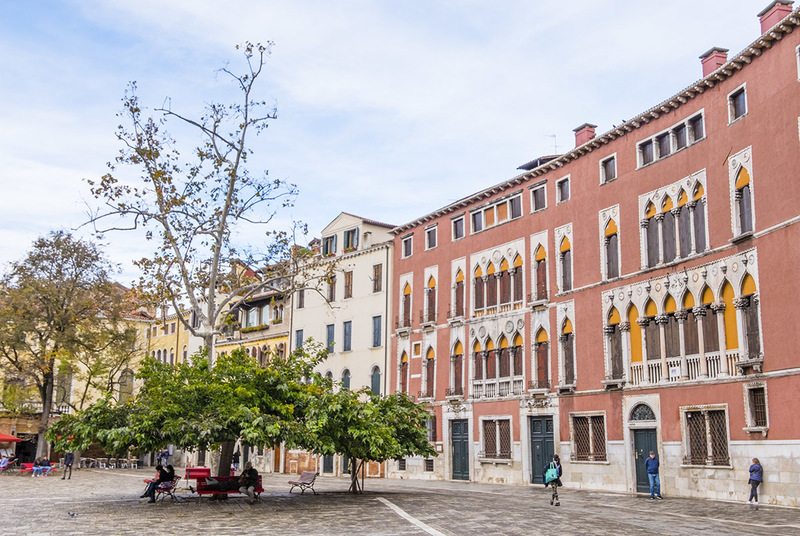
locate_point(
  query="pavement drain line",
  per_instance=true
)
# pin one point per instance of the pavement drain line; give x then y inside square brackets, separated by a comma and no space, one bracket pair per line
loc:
[411,519]
[687,516]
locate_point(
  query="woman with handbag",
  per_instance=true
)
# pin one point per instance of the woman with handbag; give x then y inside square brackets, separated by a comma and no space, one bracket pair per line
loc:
[552,477]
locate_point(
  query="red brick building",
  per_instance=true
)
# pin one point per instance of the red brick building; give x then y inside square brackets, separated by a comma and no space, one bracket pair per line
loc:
[633,294]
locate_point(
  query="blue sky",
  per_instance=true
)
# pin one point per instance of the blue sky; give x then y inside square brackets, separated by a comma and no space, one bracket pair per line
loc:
[388,110]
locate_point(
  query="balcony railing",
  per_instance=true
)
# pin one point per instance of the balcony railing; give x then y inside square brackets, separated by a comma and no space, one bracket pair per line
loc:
[427,317]
[425,393]
[498,387]
[538,384]
[455,312]
[402,322]
[455,391]
[713,366]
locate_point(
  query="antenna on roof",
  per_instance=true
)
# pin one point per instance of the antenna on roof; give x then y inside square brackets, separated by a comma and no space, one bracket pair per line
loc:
[555,146]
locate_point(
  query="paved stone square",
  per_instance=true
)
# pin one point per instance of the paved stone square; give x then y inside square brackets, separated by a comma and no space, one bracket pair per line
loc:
[106,502]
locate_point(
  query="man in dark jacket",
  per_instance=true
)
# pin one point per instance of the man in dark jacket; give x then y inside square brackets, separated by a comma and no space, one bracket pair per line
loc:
[248,481]
[69,459]
[651,464]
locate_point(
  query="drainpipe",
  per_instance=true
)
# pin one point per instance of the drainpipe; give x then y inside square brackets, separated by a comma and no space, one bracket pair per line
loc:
[387,315]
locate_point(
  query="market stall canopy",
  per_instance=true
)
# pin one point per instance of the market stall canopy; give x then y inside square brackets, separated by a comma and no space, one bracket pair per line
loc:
[9,439]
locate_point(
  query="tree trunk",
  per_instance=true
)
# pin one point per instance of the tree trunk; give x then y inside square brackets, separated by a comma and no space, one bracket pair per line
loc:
[356,466]
[225,458]
[47,403]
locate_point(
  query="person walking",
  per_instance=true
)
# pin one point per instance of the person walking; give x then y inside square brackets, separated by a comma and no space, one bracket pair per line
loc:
[69,459]
[756,477]
[651,464]
[554,468]
[236,458]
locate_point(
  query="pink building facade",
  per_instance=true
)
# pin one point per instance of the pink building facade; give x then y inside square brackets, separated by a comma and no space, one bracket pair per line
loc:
[633,294]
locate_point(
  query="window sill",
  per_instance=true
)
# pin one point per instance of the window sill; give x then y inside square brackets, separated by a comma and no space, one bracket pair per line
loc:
[566,389]
[690,466]
[495,461]
[590,462]
[538,304]
[756,430]
[752,363]
[741,237]
[613,384]
[736,120]
[456,320]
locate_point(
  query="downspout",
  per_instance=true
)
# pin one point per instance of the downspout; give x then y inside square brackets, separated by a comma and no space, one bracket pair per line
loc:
[386,290]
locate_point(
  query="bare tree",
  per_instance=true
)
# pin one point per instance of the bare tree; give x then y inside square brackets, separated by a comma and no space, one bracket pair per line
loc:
[191,206]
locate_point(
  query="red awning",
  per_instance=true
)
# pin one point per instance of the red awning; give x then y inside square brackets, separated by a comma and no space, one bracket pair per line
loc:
[9,439]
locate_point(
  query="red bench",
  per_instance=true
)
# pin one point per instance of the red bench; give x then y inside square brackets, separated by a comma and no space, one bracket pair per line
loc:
[29,468]
[201,486]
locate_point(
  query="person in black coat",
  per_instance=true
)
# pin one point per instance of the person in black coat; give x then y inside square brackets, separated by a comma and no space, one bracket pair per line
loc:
[69,459]
[554,484]
[162,475]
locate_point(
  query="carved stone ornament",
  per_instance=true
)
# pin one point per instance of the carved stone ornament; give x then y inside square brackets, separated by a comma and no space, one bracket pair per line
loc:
[538,403]
[509,327]
[520,324]
[481,332]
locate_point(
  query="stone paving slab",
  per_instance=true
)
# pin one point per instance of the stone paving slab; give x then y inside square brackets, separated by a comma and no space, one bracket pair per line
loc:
[106,502]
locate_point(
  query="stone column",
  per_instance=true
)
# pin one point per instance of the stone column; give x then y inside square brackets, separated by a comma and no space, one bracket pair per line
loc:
[676,216]
[681,317]
[660,219]
[643,323]
[625,327]
[608,332]
[691,205]
[644,224]
[698,313]
[661,321]
[740,304]
[719,309]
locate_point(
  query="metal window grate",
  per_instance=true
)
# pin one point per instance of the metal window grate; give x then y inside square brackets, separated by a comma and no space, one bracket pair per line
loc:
[429,465]
[758,407]
[580,425]
[698,447]
[598,438]
[504,427]
[490,439]
[719,437]
[401,464]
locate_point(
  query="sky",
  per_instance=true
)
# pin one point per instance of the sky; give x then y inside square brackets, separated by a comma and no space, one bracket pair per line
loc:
[388,110]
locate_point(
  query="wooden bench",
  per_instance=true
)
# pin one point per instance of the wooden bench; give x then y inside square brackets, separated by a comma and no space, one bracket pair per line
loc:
[202,486]
[306,481]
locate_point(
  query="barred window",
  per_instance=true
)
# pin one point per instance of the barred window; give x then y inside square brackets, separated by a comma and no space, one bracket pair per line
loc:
[756,410]
[497,439]
[430,425]
[589,440]
[429,465]
[401,464]
[707,437]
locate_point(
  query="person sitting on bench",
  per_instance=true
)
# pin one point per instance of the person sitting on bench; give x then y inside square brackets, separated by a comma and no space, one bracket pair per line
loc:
[162,475]
[249,481]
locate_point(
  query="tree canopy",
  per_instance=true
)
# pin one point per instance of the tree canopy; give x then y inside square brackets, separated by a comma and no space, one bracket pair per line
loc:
[60,312]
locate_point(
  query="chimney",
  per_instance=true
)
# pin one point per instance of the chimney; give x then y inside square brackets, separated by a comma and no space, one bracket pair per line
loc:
[774,13]
[713,60]
[584,133]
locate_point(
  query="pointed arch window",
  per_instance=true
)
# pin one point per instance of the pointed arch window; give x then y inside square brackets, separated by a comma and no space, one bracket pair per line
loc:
[491,361]
[430,301]
[611,244]
[504,282]
[375,380]
[478,291]
[541,273]
[430,372]
[457,370]
[516,280]
[491,287]
[744,202]
[651,235]
[566,265]
[458,310]
[405,312]
[346,379]
[517,356]
[710,322]
[568,352]
[542,380]
[748,304]
[477,361]
[668,231]
[404,372]
[614,334]
[504,358]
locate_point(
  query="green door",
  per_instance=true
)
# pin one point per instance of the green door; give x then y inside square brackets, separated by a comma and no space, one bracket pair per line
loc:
[459,436]
[644,440]
[542,446]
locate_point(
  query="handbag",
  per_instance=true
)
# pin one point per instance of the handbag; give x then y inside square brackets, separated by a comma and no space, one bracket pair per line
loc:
[551,474]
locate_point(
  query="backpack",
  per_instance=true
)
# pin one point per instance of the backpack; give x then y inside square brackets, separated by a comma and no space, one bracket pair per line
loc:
[551,474]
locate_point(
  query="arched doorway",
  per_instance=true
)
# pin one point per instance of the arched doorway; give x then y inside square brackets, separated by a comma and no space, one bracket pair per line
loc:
[645,439]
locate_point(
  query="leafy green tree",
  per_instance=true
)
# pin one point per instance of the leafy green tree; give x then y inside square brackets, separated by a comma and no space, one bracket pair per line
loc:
[367,427]
[58,304]
[193,406]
